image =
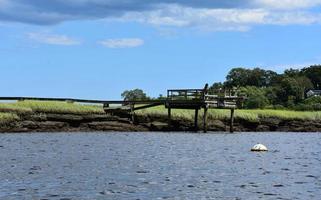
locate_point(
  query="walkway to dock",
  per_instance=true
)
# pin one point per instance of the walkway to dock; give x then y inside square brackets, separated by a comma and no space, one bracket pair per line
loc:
[194,99]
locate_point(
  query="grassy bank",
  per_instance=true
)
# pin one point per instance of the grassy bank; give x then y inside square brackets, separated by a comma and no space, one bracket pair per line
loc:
[24,107]
[12,111]
[249,115]
[8,117]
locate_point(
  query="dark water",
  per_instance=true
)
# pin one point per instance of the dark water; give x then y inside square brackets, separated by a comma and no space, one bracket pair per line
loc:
[159,166]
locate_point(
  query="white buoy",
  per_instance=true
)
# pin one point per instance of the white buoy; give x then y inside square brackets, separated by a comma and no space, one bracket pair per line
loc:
[259,147]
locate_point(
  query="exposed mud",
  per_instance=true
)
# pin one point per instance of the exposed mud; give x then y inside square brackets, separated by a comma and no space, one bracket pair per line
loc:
[50,122]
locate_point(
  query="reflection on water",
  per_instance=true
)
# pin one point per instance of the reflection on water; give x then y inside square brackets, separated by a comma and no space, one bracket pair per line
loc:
[159,166]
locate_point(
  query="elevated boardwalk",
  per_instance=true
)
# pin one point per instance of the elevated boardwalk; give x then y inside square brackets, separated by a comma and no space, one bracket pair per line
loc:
[195,99]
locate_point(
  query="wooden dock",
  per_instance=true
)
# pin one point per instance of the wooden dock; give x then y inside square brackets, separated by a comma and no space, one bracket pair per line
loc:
[194,99]
[197,99]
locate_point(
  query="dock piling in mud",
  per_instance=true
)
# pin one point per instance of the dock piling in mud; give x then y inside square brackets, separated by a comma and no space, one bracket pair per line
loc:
[232,121]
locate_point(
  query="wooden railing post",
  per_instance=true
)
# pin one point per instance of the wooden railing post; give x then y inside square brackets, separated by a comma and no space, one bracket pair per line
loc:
[205,91]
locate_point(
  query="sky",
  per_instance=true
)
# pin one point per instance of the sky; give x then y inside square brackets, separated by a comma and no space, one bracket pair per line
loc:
[96,49]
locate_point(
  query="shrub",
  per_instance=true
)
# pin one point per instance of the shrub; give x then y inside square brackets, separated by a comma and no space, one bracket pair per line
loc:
[313,100]
[256,97]
[310,104]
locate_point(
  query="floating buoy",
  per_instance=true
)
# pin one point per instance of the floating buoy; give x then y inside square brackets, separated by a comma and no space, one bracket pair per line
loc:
[259,147]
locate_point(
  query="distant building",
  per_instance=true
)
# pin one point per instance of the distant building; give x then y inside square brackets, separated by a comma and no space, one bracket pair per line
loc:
[313,93]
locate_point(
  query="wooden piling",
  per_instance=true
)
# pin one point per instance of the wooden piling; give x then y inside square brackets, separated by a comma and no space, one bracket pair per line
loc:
[232,121]
[205,120]
[106,105]
[132,114]
[196,120]
[169,116]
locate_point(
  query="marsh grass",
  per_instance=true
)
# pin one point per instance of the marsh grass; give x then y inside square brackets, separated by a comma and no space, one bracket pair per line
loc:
[224,114]
[287,114]
[23,107]
[219,114]
[14,108]
[50,107]
[8,117]
[161,111]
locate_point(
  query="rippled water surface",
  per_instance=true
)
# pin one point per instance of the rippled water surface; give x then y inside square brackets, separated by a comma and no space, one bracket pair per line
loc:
[159,166]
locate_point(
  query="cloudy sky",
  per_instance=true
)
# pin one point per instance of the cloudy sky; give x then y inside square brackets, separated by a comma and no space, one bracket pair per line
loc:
[98,48]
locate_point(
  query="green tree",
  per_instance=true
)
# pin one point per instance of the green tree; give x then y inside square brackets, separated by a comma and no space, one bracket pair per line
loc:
[216,88]
[269,78]
[292,73]
[293,89]
[135,94]
[237,77]
[241,77]
[305,84]
[256,77]
[161,97]
[271,94]
[314,74]
[255,97]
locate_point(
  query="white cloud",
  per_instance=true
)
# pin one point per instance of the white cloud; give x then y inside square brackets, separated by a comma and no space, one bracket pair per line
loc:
[288,4]
[122,43]
[294,18]
[210,19]
[220,19]
[52,39]
[209,15]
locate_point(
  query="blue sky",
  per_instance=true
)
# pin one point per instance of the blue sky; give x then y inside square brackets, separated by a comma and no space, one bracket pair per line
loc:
[96,48]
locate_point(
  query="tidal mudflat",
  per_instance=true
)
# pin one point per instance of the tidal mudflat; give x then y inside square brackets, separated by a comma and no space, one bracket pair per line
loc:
[159,166]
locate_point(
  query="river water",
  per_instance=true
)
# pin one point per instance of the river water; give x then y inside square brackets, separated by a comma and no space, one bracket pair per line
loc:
[148,166]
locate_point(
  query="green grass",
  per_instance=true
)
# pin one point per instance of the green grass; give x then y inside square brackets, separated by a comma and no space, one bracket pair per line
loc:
[286,114]
[14,108]
[23,107]
[223,114]
[50,107]
[7,118]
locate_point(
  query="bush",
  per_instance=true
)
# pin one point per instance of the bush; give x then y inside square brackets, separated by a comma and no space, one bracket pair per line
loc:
[310,104]
[255,97]
[275,107]
[313,100]
[308,107]
[256,102]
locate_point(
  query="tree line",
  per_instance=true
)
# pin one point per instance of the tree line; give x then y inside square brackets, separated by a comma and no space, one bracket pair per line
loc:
[268,89]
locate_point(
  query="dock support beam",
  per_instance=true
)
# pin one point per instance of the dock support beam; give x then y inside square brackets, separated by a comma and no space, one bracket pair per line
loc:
[132,114]
[196,120]
[169,116]
[205,120]
[106,105]
[232,121]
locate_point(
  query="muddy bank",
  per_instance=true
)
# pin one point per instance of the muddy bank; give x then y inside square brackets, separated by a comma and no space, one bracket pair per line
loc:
[49,122]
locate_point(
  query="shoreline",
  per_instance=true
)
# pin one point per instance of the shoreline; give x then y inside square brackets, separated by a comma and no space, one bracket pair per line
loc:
[57,122]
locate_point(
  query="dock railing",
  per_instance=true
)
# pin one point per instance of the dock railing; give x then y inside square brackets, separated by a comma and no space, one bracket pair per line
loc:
[185,94]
